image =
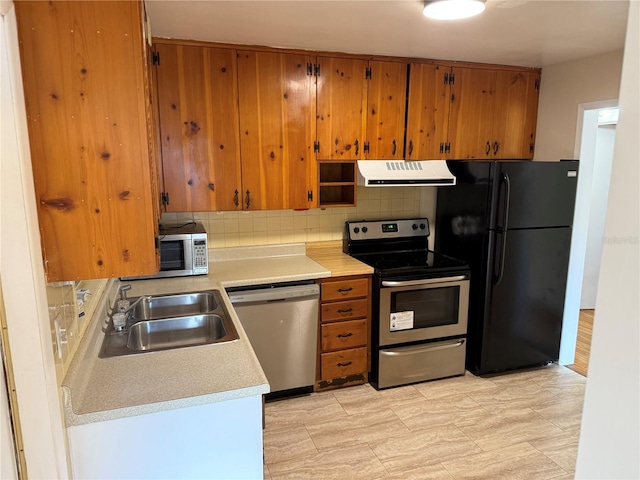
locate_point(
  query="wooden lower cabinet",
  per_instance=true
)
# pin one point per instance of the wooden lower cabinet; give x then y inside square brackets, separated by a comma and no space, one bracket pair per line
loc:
[344,333]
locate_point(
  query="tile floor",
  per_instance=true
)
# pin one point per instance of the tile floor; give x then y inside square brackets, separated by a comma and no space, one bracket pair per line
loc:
[522,425]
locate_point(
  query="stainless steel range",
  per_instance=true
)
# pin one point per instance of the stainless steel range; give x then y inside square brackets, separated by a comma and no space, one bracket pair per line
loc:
[420,301]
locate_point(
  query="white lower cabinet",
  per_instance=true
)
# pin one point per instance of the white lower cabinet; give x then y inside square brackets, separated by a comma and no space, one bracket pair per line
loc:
[220,440]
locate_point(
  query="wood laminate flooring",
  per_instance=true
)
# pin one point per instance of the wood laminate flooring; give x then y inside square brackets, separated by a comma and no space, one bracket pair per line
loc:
[522,425]
[583,344]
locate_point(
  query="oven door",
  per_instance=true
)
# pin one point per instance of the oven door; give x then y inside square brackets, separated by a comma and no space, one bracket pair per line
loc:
[426,309]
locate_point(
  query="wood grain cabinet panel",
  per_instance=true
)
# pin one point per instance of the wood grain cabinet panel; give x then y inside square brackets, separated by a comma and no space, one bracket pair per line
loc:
[342,335]
[344,363]
[386,106]
[198,105]
[336,311]
[342,289]
[515,114]
[344,332]
[472,113]
[428,112]
[86,92]
[277,130]
[493,113]
[341,102]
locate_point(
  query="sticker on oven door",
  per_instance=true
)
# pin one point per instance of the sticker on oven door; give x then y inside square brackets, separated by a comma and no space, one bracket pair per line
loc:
[400,321]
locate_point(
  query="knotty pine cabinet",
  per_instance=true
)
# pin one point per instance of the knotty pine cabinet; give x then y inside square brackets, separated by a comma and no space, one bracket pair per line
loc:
[385,114]
[289,131]
[237,128]
[88,109]
[341,102]
[364,101]
[344,332]
[427,111]
[198,115]
[471,113]
[493,113]
[277,130]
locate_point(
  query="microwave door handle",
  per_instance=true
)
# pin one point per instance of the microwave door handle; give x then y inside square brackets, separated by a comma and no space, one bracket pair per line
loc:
[430,281]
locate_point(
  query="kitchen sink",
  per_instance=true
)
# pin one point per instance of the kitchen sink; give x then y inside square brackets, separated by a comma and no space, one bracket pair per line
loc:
[166,322]
[154,307]
[179,332]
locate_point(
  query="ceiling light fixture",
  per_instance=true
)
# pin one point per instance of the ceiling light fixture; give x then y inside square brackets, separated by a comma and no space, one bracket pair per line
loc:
[452,9]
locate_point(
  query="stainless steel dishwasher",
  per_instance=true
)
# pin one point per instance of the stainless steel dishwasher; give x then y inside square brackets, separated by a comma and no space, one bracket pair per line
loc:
[282,325]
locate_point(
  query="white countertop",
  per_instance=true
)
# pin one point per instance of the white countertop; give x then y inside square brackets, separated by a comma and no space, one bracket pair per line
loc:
[98,389]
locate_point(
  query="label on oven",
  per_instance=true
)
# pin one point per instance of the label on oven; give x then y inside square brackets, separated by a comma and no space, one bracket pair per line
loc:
[401,321]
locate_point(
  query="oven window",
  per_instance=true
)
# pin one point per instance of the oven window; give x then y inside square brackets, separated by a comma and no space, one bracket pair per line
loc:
[172,255]
[431,307]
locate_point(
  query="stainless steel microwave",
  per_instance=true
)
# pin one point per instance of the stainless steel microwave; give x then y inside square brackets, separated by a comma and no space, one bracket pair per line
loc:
[183,251]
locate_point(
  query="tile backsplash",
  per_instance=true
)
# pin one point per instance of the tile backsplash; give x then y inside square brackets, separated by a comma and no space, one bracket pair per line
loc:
[268,227]
[70,305]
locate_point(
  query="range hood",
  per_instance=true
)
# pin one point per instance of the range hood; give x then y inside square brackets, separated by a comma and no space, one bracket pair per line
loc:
[393,173]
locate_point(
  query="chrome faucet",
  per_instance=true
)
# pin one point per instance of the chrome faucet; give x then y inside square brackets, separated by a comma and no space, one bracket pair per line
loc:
[120,317]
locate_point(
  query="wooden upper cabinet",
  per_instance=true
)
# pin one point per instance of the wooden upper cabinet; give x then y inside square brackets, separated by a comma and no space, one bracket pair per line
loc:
[493,113]
[515,114]
[428,111]
[83,68]
[386,106]
[531,115]
[277,130]
[198,105]
[472,113]
[341,102]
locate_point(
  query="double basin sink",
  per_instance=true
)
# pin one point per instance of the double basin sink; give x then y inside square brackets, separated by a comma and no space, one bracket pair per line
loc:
[165,322]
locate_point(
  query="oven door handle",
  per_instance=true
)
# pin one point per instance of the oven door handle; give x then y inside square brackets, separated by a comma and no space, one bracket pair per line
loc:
[419,348]
[429,281]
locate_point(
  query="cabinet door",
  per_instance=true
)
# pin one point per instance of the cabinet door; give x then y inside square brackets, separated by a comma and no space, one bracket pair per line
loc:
[341,101]
[428,112]
[198,105]
[386,105]
[277,129]
[84,86]
[516,105]
[531,121]
[472,107]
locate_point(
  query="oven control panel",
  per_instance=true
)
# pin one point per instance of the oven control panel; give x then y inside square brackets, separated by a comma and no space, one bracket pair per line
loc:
[372,230]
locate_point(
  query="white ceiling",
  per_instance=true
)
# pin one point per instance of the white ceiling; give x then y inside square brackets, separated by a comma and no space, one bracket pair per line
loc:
[533,33]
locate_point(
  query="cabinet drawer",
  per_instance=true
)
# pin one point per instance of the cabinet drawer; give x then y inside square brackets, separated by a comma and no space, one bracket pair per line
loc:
[344,289]
[341,335]
[332,312]
[344,362]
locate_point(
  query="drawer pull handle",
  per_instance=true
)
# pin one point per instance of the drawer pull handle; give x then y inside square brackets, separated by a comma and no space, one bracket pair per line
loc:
[342,335]
[345,364]
[345,310]
[345,290]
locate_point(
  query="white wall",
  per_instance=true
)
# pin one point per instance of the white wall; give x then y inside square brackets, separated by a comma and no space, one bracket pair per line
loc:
[610,434]
[568,90]
[23,275]
[563,88]
[605,139]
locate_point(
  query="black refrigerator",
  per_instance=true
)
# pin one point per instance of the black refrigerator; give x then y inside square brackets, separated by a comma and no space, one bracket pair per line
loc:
[510,220]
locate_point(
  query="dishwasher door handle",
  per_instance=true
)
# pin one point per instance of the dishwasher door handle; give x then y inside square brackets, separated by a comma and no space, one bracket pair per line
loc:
[276,294]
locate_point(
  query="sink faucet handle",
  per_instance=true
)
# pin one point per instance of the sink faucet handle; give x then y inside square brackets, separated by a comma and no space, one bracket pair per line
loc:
[119,321]
[123,305]
[122,290]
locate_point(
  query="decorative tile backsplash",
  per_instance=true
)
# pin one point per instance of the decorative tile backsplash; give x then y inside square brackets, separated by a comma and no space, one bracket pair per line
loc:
[268,227]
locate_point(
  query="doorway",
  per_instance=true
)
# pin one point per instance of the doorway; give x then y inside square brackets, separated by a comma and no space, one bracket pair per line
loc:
[594,147]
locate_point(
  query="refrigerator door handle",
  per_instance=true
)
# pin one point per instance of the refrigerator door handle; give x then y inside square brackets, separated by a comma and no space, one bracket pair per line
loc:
[504,179]
[503,230]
